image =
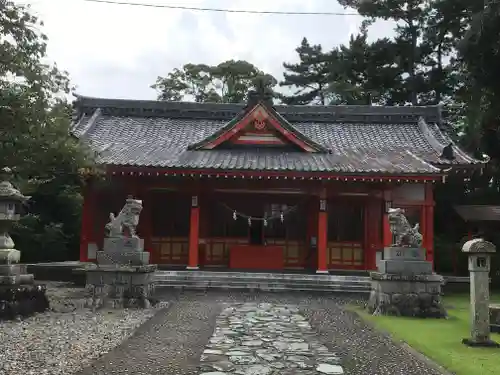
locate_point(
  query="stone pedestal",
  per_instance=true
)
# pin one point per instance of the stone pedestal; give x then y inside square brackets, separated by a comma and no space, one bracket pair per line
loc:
[123,276]
[19,296]
[405,285]
[121,286]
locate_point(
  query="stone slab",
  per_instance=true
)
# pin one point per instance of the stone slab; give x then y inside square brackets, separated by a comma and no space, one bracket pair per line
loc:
[109,277]
[123,244]
[31,300]
[12,269]
[404,253]
[124,269]
[405,267]
[26,279]
[122,258]
[385,286]
[10,256]
[494,317]
[399,277]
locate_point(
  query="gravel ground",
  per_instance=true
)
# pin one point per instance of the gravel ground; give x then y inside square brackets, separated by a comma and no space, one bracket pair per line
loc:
[172,342]
[66,339]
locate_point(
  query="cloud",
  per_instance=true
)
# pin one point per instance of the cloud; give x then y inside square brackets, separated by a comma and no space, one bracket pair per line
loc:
[118,51]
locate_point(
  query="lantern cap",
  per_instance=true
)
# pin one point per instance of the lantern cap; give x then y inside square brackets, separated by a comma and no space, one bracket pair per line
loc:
[478,246]
[9,193]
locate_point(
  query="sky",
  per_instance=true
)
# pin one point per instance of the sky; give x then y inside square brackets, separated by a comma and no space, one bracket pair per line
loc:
[118,51]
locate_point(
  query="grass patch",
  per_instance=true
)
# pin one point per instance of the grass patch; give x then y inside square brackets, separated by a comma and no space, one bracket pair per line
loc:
[441,340]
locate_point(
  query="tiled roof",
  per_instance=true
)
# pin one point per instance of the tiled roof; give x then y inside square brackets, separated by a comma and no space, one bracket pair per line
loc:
[361,139]
[478,212]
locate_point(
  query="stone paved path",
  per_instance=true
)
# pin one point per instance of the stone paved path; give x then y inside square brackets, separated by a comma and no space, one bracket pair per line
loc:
[173,342]
[265,339]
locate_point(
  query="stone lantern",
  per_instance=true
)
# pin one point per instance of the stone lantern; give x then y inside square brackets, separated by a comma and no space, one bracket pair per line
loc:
[10,202]
[479,252]
[18,294]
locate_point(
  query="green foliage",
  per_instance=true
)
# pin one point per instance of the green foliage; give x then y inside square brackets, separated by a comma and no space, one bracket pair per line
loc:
[309,76]
[35,141]
[227,82]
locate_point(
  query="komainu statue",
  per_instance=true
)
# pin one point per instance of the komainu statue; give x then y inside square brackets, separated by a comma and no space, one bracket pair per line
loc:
[125,223]
[404,234]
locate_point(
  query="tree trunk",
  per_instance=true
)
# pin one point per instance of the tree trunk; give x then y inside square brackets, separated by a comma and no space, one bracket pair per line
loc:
[321,94]
[413,82]
[439,86]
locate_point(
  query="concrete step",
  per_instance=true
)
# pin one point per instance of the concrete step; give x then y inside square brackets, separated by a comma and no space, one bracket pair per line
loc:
[261,281]
[363,283]
[264,288]
[265,282]
[251,275]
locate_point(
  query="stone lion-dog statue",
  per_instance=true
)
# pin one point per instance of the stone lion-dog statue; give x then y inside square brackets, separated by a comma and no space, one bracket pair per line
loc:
[404,234]
[125,223]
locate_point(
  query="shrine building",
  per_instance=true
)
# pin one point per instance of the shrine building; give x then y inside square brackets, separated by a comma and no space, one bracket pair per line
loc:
[258,186]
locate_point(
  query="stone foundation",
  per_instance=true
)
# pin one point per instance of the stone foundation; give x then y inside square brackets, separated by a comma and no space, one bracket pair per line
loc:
[121,286]
[494,318]
[416,296]
[22,301]
[406,285]
[18,294]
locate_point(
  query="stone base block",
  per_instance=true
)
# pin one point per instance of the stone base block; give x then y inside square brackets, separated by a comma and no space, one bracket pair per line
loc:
[121,287]
[26,279]
[495,318]
[133,258]
[404,253]
[481,344]
[13,269]
[101,277]
[401,297]
[405,267]
[10,256]
[22,300]
[123,244]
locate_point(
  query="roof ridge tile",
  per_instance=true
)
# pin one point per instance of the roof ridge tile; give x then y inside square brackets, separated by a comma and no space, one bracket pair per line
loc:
[227,111]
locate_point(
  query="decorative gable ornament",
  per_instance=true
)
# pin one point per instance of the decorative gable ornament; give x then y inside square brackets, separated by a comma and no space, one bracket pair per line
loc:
[259,125]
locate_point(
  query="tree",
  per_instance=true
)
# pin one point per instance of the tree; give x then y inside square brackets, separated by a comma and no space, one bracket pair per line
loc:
[308,77]
[410,16]
[34,136]
[363,72]
[227,82]
[480,53]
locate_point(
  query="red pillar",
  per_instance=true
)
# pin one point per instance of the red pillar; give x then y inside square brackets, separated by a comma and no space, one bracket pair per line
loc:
[322,237]
[386,228]
[194,234]
[145,228]
[373,232]
[428,230]
[312,231]
[86,235]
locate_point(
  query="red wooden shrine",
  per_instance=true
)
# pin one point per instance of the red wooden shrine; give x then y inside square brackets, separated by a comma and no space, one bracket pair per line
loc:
[264,187]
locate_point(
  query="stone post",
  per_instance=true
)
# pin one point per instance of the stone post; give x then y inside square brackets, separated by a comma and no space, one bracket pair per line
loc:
[479,252]
[18,293]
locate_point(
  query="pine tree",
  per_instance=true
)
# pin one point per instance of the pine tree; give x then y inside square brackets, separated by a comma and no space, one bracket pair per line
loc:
[309,77]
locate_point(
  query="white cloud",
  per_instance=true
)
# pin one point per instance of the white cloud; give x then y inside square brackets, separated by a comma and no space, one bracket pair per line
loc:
[118,51]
